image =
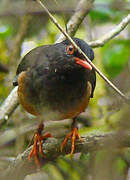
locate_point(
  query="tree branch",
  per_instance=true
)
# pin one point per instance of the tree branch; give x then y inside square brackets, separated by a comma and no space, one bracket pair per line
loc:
[9,105]
[83,8]
[23,29]
[11,134]
[112,34]
[51,149]
[11,101]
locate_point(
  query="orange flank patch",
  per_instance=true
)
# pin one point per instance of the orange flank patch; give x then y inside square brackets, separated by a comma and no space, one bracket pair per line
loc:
[22,95]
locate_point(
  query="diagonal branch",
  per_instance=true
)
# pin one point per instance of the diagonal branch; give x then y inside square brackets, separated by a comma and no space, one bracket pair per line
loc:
[110,35]
[51,149]
[11,101]
[23,30]
[9,105]
[83,8]
[11,134]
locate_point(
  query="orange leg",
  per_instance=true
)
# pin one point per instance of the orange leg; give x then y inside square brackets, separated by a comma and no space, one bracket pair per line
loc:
[73,135]
[37,145]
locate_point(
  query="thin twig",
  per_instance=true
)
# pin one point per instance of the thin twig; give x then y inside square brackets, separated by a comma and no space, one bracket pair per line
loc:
[11,134]
[51,149]
[9,104]
[7,159]
[81,52]
[83,8]
[111,34]
[128,175]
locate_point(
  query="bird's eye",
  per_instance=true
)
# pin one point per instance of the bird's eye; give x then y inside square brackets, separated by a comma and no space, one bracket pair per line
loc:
[70,49]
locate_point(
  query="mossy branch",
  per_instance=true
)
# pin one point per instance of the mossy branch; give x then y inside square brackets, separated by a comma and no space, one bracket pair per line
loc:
[51,149]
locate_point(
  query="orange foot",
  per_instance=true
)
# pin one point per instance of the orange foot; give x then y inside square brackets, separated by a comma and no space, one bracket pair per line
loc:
[37,145]
[73,135]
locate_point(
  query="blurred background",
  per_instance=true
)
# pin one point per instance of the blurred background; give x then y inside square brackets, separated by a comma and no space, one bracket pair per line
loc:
[24,25]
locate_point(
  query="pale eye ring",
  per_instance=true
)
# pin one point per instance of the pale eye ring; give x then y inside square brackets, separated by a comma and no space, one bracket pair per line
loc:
[70,49]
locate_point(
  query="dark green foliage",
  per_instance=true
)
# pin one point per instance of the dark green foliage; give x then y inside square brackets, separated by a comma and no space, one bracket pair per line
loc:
[115,56]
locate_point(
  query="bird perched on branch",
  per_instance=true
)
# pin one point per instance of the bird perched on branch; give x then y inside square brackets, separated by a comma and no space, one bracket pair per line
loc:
[55,82]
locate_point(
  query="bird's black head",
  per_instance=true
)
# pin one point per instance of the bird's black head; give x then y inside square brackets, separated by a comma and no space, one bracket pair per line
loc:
[74,53]
[83,46]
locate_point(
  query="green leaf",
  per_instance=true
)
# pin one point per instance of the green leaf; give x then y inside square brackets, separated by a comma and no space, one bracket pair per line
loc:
[115,55]
[103,12]
[99,15]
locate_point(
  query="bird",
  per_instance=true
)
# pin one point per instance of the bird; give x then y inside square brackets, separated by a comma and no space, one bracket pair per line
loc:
[55,82]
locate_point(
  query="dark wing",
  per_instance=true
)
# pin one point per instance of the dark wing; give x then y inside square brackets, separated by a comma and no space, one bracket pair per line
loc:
[92,80]
[28,61]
